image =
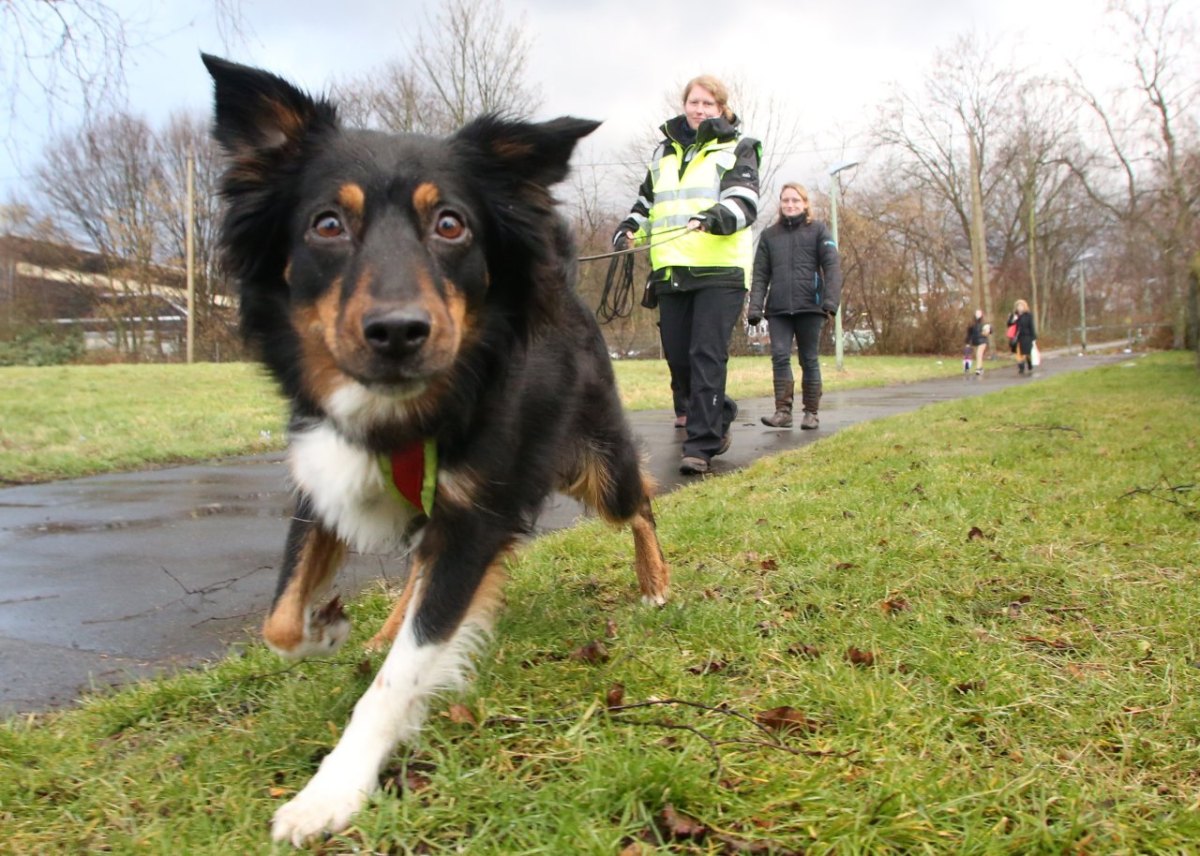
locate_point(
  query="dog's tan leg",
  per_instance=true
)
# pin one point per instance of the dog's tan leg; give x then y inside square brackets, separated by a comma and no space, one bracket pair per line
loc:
[391,625]
[295,627]
[653,572]
[595,488]
[392,709]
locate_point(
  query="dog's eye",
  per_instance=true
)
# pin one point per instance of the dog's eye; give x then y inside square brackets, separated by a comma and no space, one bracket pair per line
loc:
[328,225]
[450,226]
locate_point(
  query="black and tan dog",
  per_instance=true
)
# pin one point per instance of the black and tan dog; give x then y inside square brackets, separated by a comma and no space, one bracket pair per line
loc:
[413,296]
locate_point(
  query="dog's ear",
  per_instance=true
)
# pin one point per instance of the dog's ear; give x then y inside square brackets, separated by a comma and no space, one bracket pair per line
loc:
[257,112]
[536,152]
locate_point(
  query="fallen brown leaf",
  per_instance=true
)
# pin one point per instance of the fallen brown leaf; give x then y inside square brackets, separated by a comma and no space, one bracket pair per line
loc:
[859,657]
[769,565]
[412,776]
[592,653]
[802,650]
[615,695]
[975,534]
[460,714]
[787,719]
[679,826]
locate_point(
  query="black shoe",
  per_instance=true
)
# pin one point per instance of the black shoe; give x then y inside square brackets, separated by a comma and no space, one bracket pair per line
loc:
[693,466]
[727,440]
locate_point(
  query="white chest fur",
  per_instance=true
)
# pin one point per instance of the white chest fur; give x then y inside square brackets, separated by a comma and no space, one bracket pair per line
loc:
[347,490]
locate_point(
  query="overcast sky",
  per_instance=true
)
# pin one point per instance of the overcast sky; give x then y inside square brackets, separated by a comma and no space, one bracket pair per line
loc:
[831,63]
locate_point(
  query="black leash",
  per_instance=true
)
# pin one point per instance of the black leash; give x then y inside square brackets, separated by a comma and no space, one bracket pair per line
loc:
[616,300]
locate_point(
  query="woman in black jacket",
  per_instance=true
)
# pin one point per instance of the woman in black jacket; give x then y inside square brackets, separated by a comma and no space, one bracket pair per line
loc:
[797,285]
[1026,336]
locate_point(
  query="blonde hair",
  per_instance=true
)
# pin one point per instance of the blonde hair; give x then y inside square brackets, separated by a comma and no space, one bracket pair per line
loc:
[802,191]
[720,92]
[1020,306]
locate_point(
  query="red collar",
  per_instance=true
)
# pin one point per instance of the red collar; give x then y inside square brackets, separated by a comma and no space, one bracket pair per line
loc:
[412,472]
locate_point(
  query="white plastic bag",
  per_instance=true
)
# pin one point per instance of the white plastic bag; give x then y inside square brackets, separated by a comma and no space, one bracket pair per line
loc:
[1035,355]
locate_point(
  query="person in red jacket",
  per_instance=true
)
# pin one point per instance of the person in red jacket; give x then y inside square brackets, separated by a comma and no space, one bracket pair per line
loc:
[797,285]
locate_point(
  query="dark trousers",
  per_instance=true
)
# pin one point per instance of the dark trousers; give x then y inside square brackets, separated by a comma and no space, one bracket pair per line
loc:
[696,326]
[679,382]
[805,330]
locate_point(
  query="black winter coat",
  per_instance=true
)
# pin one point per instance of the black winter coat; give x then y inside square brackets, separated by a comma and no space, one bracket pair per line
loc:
[1026,334]
[796,270]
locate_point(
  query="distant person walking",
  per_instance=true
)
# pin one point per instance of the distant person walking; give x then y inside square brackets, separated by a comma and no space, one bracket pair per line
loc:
[696,206]
[985,342]
[1026,338]
[797,285]
[976,343]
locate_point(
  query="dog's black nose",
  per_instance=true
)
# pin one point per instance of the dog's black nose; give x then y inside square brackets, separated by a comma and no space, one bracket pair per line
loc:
[396,333]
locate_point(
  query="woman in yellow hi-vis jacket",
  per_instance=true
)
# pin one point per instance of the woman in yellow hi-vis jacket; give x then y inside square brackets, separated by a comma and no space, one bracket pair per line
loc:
[695,207]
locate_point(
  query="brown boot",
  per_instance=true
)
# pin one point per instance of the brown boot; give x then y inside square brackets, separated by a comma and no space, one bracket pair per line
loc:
[785,393]
[810,395]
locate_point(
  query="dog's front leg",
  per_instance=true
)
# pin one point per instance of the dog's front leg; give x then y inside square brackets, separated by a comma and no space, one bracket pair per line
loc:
[447,613]
[295,626]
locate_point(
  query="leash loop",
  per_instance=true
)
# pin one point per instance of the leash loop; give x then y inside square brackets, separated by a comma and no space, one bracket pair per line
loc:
[616,300]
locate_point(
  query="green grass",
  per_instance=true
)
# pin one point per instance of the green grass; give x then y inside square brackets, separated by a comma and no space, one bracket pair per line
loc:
[1021,566]
[69,421]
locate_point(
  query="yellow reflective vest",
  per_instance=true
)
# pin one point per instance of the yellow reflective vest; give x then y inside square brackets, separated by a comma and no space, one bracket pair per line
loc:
[679,197]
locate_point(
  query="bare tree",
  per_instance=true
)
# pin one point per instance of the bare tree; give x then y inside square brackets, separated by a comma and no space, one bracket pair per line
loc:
[105,183]
[949,138]
[59,51]
[56,54]
[468,60]
[475,61]
[1150,130]
[390,97]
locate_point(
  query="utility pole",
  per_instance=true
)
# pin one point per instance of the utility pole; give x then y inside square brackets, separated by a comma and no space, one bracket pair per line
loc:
[191,263]
[838,345]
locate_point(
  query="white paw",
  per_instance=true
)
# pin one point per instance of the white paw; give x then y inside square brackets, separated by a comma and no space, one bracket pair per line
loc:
[654,600]
[324,806]
[325,630]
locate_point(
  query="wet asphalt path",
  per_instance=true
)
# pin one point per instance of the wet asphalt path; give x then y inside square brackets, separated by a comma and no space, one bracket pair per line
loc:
[126,575]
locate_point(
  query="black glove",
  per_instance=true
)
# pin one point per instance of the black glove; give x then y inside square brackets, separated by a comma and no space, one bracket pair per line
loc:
[620,238]
[754,317]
